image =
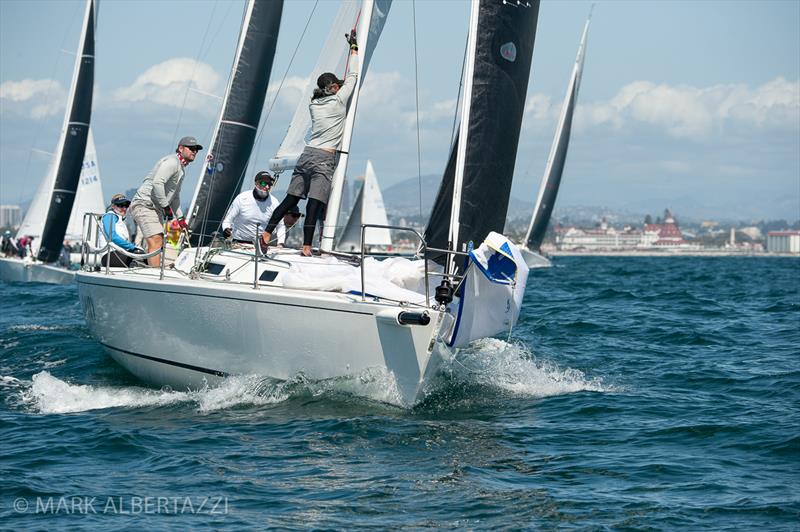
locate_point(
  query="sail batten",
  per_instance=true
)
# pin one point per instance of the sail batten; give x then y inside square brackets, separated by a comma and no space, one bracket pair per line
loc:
[232,144]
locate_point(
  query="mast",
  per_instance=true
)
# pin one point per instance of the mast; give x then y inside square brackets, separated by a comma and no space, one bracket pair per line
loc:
[551,180]
[72,143]
[468,208]
[463,133]
[222,176]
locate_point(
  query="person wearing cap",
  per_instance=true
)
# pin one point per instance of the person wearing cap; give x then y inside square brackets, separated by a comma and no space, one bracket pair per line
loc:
[313,172]
[250,210]
[158,199]
[289,220]
[115,230]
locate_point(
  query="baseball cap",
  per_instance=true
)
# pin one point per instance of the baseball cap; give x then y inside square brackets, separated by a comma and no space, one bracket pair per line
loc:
[264,176]
[328,78]
[189,142]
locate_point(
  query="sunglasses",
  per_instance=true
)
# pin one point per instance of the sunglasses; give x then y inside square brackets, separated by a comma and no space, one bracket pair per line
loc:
[264,184]
[194,149]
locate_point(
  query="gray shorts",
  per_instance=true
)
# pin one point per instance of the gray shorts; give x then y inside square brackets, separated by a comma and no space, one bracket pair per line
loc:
[313,174]
[148,220]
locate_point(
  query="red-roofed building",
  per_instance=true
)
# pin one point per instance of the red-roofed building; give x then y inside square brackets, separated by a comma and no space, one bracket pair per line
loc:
[665,235]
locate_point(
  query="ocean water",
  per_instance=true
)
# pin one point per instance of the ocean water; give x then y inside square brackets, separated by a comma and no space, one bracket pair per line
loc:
[635,393]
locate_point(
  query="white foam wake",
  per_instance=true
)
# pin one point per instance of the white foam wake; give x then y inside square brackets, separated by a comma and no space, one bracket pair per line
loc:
[513,368]
[47,394]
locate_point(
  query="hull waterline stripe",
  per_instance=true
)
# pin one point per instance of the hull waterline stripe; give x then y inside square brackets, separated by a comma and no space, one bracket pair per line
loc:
[169,362]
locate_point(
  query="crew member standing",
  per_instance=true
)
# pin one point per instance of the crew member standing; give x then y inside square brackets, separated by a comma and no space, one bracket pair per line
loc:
[314,169]
[158,199]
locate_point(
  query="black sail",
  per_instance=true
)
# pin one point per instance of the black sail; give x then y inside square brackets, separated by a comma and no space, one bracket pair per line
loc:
[558,156]
[236,132]
[71,152]
[504,50]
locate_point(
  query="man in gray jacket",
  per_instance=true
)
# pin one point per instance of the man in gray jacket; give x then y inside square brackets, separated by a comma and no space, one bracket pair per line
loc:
[158,200]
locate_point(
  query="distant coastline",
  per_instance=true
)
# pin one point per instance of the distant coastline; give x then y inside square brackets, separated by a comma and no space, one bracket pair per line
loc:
[694,253]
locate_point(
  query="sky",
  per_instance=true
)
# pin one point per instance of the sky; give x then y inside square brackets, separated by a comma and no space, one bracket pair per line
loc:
[694,106]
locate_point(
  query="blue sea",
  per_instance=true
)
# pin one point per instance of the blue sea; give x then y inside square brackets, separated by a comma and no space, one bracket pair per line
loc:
[635,393]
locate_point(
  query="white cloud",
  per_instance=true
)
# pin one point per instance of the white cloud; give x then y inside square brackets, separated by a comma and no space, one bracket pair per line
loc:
[698,113]
[37,98]
[169,83]
[684,111]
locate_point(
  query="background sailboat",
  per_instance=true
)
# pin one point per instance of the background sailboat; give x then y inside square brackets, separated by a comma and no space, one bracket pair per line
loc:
[367,209]
[555,167]
[51,210]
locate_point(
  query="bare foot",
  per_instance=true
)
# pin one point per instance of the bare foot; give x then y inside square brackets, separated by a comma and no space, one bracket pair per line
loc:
[306,251]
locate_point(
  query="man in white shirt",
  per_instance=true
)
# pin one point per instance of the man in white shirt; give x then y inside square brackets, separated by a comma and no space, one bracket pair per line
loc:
[250,212]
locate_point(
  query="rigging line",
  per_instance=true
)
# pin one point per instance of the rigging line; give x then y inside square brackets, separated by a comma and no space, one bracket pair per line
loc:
[460,87]
[416,99]
[194,69]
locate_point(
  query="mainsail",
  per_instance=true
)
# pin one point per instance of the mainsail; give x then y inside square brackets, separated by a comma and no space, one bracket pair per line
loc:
[496,82]
[367,209]
[558,156]
[72,144]
[222,176]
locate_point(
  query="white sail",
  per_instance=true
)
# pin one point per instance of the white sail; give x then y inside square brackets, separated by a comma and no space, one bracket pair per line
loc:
[33,222]
[367,209]
[89,197]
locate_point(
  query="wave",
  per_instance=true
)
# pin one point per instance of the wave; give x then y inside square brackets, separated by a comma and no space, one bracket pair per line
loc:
[512,367]
[491,364]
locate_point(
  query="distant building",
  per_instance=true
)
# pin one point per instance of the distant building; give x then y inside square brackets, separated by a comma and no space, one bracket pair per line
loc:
[603,238]
[665,235]
[783,242]
[10,216]
[661,236]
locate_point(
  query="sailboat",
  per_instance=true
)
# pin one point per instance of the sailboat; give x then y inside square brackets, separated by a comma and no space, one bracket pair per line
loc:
[555,167]
[71,186]
[222,312]
[367,209]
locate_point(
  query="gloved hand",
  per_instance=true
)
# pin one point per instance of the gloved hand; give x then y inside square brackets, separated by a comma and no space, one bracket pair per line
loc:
[168,214]
[182,223]
[227,232]
[351,40]
[264,246]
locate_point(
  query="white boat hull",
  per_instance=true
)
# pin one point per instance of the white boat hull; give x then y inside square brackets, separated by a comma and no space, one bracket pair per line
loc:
[187,333]
[534,259]
[13,270]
